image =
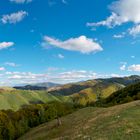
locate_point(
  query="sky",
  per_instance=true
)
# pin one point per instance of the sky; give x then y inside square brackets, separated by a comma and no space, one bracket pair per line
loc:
[65,41]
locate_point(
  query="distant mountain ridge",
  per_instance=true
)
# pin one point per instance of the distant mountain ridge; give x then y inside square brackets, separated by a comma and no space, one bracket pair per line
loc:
[90,91]
[46,84]
[80,93]
[37,86]
[72,88]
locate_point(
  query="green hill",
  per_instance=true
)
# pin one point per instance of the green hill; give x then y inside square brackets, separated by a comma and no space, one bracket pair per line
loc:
[127,94]
[11,98]
[90,91]
[98,86]
[14,99]
[114,123]
[91,94]
[81,93]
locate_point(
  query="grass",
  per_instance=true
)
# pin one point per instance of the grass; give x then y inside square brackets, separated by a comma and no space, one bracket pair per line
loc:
[11,98]
[113,123]
[14,99]
[89,95]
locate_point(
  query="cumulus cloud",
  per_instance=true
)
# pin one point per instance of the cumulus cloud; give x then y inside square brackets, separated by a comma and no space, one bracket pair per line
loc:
[82,44]
[110,22]
[14,17]
[21,1]
[4,45]
[134,67]
[122,11]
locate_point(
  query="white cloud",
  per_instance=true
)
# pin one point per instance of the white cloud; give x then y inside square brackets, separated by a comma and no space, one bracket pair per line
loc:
[134,67]
[12,64]
[21,1]
[110,22]
[14,17]
[73,76]
[60,56]
[123,67]
[13,78]
[4,45]
[82,44]
[2,69]
[60,77]
[122,11]
[25,76]
[135,30]
[118,36]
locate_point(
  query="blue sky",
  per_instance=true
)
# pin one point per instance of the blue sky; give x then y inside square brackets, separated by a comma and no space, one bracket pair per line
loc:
[66,41]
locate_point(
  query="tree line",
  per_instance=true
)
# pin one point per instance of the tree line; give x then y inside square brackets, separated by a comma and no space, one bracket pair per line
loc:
[15,124]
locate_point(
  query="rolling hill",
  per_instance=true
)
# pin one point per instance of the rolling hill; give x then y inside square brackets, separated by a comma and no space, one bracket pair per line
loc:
[73,88]
[127,94]
[81,93]
[91,94]
[14,99]
[89,91]
[117,122]
[114,123]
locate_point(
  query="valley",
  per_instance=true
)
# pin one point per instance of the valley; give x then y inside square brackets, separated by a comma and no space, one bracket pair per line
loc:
[106,109]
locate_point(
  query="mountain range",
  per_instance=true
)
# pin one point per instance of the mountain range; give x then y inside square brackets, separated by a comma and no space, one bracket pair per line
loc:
[37,86]
[80,93]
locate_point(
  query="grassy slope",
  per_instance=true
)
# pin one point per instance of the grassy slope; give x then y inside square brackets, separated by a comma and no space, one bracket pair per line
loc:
[90,94]
[81,92]
[113,123]
[14,99]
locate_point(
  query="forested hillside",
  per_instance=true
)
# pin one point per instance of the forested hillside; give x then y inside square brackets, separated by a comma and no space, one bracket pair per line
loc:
[130,93]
